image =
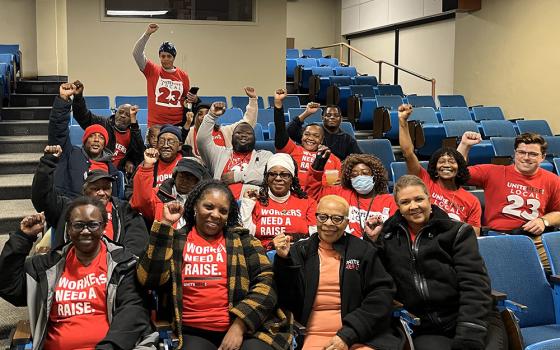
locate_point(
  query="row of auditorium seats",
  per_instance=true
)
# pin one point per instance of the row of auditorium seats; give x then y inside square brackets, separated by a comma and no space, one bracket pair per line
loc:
[10,65]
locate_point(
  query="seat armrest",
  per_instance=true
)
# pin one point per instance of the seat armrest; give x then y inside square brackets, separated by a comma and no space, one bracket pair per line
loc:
[555,279]
[22,333]
[498,296]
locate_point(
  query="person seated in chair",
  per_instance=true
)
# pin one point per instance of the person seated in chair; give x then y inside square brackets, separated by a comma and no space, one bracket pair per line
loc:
[439,273]
[335,285]
[83,295]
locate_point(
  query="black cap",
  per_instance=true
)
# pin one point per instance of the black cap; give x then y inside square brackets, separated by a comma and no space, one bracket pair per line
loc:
[98,174]
[193,166]
[172,129]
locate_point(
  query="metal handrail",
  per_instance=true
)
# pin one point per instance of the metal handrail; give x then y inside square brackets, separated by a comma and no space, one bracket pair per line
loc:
[342,45]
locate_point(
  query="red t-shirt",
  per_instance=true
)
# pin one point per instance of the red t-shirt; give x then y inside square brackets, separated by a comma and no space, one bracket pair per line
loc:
[166,91]
[291,217]
[512,199]
[122,141]
[95,165]
[237,162]
[109,228]
[205,292]
[305,159]
[459,205]
[165,170]
[412,235]
[78,316]
[217,136]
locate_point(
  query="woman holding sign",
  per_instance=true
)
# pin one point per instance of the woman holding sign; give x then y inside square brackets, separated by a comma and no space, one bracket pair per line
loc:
[281,206]
[218,274]
[83,294]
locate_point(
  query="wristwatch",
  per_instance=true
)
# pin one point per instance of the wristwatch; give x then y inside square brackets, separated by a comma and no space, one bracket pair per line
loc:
[545,221]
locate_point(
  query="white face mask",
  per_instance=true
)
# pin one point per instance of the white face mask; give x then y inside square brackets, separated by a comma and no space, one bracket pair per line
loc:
[363,184]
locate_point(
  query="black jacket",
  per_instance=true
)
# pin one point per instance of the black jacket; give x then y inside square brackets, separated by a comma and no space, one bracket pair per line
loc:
[340,143]
[441,277]
[74,163]
[134,152]
[128,226]
[31,282]
[366,290]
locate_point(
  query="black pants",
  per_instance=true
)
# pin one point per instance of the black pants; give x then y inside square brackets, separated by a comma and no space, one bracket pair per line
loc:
[496,338]
[200,339]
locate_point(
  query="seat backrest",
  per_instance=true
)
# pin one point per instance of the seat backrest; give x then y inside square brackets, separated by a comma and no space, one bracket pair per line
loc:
[425,115]
[313,53]
[503,128]
[76,134]
[365,80]
[142,116]
[553,149]
[241,102]
[556,162]
[381,148]
[330,62]
[551,242]
[390,90]
[97,102]
[514,268]
[231,116]
[266,145]
[291,64]
[366,114]
[348,128]
[105,112]
[143,130]
[314,118]
[211,99]
[306,62]
[540,127]
[265,116]
[399,169]
[458,127]
[390,102]
[347,71]
[503,146]
[421,101]
[488,113]
[322,71]
[271,130]
[455,113]
[140,101]
[340,81]
[452,101]
[292,53]
[289,102]
[259,134]
[363,90]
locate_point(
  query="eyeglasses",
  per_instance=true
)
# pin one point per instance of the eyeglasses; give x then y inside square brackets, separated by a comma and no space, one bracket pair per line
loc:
[335,219]
[284,176]
[92,226]
[169,142]
[523,154]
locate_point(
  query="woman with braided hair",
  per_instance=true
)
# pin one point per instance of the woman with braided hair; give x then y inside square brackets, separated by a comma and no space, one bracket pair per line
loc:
[363,184]
[281,206]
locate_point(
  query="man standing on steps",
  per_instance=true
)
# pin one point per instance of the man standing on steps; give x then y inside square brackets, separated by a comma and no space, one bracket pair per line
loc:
[167,85]
[340,143]
[75,162]
[125,139]
[125,225]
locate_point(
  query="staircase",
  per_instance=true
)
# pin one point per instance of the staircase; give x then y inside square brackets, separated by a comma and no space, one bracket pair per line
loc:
[23,136]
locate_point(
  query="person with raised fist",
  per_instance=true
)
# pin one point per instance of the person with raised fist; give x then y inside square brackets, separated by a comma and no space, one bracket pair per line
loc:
[75,162]
[222,134]
[240,166]
[83,295]
[217,275]
[125,225]
[167,85]
[125,139]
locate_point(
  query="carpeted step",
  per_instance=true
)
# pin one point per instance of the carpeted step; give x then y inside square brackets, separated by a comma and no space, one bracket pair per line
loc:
[37,87]
[15,186]
[32,100]
[19,163]
[26,113]
[24,127]
[22,144]
[12,212]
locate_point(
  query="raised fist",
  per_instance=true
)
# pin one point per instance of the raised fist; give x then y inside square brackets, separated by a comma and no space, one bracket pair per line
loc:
[32,225]
[312,107]
[79,88]
[405,110]
[251,194]
[282,245]
[172,212]
[218,108]
[151,156]
[250,92]
[152,28]
[373,227]
[66,90]
[280,94]
[188,122]
[471,138]
[55,150]
[133,111]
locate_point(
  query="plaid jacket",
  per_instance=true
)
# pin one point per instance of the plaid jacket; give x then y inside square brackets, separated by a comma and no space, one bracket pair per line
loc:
[251,291]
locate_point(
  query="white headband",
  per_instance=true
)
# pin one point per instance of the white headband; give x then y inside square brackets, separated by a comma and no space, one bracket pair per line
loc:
[281,159]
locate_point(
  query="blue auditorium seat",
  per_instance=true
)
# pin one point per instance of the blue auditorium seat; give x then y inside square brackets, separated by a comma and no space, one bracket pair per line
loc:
[211,99]
[328,62]
[314,118]
[14,50]
[479,154]
[143,130]
[503,128]
[503,146]
[105,112]
[259,135]
[271,131]
[265,116]
[140,101]
[365,120]
[553,149]
[292,53]
[76,134]
[425,115]
[551,242]
[515,269]
[142,116]
[390,102]
[290,101]
[306,62]
[291,64]
[540,127]
[348,128]
[394,90]
[365,80]
[231,116]
[98,102]
[556,162]
[434,131]
[381,148]
[421,101]
[340,80]
[307,73]
[241,102]
[488,113]
[452,101]
[266,145]
[346,71]
[455,113]
[399,169]
[364,91]
[312,53]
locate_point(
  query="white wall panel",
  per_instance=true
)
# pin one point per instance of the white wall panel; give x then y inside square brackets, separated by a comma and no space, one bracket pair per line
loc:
[350,21]
[373,14]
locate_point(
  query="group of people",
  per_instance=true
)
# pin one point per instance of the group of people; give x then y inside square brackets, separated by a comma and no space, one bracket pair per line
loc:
[205,213]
